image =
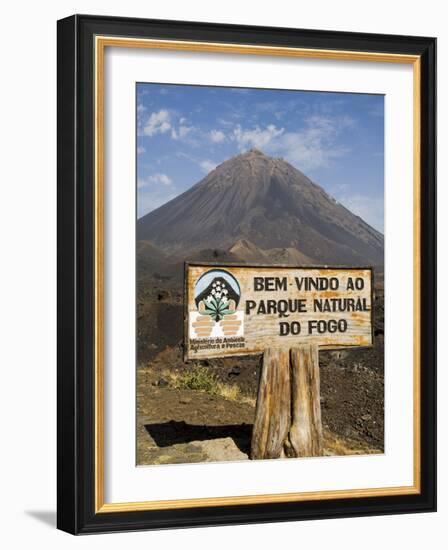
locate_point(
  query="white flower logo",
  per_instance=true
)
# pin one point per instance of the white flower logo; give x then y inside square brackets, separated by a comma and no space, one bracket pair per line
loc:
[217,304]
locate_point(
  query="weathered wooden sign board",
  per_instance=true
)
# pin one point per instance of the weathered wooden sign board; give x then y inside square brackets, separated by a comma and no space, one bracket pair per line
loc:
[287,314]
[240,310]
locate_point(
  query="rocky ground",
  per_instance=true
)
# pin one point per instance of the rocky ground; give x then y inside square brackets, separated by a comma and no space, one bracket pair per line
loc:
[178,426]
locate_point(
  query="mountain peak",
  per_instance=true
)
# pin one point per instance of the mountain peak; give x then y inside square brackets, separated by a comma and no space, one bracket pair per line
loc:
[254,152]
[255,202]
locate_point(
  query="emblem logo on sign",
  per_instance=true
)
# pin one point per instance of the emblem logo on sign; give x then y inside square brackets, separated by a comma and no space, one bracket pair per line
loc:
[217,294]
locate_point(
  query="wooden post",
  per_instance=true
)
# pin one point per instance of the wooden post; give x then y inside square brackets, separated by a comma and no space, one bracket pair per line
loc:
[305,433]
[273,410]
[287,416]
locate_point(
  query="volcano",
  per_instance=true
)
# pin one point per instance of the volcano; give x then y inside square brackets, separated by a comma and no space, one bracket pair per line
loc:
[255,202]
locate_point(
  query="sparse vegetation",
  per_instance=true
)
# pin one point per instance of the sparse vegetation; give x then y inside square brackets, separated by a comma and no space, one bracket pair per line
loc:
[335,445]
[199,379]
[203,380]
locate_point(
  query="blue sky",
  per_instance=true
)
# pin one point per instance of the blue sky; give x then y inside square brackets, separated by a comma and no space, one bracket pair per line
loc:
[336,139]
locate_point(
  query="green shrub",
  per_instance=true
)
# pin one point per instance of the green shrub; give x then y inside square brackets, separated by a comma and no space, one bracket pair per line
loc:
[200,379]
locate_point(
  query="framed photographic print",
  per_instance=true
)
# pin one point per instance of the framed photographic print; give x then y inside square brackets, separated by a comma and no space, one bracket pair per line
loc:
[246,274]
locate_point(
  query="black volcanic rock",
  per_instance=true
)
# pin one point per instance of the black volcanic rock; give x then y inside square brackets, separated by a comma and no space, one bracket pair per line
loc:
[270,204]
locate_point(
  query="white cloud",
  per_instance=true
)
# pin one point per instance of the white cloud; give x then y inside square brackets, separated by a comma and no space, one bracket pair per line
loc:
[140,150]
[217,136]
[309,148]
[370,209]
[315,145]
[256,137]
[154,180]
[140,118]
[182,132]
[160,178]
[225,122]
[207,165]
[164,121]
[158,123]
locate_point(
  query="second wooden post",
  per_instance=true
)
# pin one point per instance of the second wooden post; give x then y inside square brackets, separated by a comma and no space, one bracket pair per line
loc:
[288,416]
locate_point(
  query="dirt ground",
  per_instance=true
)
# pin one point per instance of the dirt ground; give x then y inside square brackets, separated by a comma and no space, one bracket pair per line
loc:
[179,425]
[204,411]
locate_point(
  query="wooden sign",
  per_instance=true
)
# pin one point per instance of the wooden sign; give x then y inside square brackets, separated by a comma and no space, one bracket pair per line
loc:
[241,310]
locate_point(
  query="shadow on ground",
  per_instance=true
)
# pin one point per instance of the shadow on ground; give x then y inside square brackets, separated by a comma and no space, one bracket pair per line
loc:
[170,433]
